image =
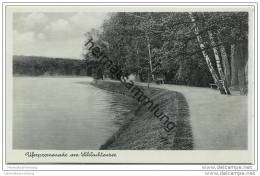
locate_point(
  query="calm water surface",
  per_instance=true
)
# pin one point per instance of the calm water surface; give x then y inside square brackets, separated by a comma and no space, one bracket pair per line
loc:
[62,113]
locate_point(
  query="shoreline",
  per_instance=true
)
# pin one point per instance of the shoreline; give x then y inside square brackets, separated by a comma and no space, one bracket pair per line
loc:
[140,130]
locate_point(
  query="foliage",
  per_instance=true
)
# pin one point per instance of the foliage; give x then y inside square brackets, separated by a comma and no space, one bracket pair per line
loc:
[38,66]
[172,42]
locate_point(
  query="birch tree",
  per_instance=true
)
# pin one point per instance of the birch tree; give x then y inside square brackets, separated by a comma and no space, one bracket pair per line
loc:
[149,56]
[206,56]
[225,63]
[218,62]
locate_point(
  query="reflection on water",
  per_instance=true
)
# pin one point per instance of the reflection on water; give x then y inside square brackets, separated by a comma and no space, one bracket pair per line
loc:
[60,113]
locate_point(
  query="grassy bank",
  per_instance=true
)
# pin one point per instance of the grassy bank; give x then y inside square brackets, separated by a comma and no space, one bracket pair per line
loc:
[141,130]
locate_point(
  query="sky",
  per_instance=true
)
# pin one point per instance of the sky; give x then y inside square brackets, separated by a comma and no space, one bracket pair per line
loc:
[53,34]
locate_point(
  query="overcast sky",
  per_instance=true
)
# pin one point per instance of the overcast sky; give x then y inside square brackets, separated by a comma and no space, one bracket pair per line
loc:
[53,34]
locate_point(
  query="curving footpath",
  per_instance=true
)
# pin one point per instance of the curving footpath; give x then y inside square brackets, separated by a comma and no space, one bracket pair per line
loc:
[217,121]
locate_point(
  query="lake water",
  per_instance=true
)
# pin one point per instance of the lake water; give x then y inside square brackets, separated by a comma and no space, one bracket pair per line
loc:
[62,113]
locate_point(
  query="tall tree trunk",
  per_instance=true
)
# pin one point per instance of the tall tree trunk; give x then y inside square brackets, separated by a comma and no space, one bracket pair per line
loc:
[150,57]
[241,56]
[202,47]
[239,53]
[138,63]
[246,73]
[246,66]
[218,62]
[234,78]
[226,64]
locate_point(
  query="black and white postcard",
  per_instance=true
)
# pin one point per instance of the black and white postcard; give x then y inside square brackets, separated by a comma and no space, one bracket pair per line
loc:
[129,84]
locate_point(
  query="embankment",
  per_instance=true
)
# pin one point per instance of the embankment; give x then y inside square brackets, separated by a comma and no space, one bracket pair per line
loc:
[141,130]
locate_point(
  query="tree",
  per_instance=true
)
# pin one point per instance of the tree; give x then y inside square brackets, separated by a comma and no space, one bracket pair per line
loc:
[226,64]
[202,46]
[140,41]
[218,62]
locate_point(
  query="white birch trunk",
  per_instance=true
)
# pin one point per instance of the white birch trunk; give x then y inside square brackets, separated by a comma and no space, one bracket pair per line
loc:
[218,62]
[150,58]
[202,47]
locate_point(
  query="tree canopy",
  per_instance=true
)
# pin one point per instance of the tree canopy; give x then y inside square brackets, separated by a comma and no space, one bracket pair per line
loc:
[168,41]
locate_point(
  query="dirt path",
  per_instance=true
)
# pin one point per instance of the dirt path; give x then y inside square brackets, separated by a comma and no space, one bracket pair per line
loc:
[217,121]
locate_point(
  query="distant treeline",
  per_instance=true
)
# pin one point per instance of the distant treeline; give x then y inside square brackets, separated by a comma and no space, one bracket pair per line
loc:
[45,66]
